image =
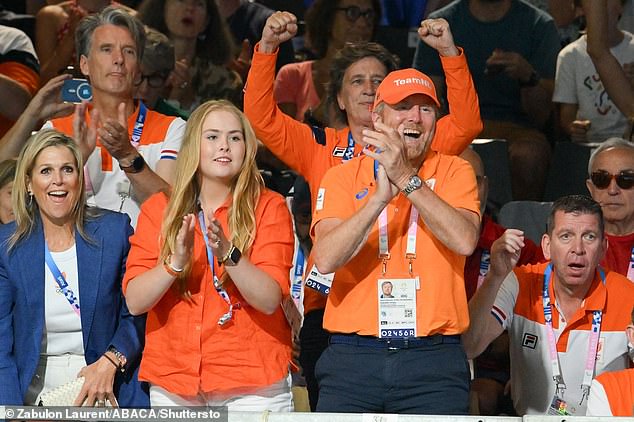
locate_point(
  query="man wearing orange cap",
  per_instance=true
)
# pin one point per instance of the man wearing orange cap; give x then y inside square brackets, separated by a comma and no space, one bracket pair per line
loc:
[409,215]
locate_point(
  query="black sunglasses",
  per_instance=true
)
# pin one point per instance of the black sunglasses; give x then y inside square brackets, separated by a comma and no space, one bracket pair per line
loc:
[354,12]
[155,80]
[602,179]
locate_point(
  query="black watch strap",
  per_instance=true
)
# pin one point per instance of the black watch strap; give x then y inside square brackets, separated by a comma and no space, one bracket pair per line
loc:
[138,163]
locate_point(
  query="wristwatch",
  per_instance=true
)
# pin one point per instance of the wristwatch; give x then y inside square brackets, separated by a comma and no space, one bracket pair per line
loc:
[232,257]
[120,357]
[413,184]
[136,166]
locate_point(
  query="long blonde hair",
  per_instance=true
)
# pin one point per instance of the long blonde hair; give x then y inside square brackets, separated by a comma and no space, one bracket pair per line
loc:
[25,208]
[245,188]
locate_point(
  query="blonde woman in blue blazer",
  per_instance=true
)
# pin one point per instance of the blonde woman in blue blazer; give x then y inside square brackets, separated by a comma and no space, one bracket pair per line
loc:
[62,314]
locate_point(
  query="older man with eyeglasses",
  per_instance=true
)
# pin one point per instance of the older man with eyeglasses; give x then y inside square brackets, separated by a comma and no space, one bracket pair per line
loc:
[611,183]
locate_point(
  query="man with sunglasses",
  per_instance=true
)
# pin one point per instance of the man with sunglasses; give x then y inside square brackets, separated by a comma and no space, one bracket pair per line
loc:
[611,183]
[565,317]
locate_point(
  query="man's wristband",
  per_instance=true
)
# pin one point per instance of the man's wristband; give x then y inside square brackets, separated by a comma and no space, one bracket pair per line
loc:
[137,164]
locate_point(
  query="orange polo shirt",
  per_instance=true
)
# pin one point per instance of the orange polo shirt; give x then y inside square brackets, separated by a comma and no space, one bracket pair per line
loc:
[618,387]
[186,351]
[441,301]
[311,151]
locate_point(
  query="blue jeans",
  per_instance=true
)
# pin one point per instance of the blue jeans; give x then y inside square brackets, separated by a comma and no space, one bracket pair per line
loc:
[415,379]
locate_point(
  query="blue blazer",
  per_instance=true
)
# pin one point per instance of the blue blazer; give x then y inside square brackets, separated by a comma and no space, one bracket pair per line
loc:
[105,319]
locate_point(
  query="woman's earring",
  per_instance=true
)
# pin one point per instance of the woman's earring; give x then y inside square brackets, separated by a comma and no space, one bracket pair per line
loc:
[29,203]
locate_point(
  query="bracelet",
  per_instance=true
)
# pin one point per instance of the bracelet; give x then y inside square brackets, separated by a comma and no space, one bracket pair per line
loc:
[171,270]
[227,255]
[116,365]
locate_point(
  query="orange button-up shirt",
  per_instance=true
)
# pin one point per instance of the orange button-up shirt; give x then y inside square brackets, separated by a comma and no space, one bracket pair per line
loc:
[186,351]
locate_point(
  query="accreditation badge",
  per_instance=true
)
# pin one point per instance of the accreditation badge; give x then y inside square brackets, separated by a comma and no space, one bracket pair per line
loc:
[559,407]
[397,307]
[319,282]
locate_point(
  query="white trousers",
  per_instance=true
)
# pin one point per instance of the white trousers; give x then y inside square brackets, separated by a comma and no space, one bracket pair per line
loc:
[51,372]
[276,397]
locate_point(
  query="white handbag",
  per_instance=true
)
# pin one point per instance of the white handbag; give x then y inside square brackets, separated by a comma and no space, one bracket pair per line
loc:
[65,394]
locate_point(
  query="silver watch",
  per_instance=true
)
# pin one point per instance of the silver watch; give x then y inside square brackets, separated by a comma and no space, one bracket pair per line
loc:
[414,183]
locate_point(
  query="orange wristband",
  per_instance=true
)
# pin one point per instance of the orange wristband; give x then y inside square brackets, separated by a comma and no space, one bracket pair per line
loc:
[169,268]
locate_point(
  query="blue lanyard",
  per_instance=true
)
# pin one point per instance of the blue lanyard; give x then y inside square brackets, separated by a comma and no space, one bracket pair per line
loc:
[296,287]
[61,281]
[349,152]
[592,346]
[299,262]
[137,131]
[226,317]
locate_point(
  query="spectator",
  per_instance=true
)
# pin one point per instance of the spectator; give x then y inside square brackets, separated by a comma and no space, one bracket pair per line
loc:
[586,112]
[55,26]
[369,334]
[203,47]
[579,302]
[246,21]
[62,310]
[238,337]
[491,368]
[615,80]
[612,393]
[300,88]
[312,151]
[611,182]
[566,17]
[7,174]
[156,67]
[512,57]
[19,75]
[143,143]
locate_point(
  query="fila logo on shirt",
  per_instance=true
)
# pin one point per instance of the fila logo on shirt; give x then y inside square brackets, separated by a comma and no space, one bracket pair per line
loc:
[338,152]
[530,340]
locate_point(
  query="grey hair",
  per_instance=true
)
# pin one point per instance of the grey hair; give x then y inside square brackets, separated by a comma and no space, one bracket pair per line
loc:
[111,15]
[606,145]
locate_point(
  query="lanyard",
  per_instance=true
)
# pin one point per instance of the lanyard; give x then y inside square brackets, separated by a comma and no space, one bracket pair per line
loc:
[552,345]
[226,317]
[349,152]
[410,253]
[298,275]
[61,281]
[137,131]
[485,265]
[630,268]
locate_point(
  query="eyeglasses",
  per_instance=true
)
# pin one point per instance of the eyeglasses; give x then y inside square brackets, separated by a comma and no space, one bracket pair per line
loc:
[602,179]
[354,12]
[155,80]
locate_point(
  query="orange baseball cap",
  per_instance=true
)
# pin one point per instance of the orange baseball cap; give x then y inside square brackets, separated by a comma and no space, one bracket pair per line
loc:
[400,84]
